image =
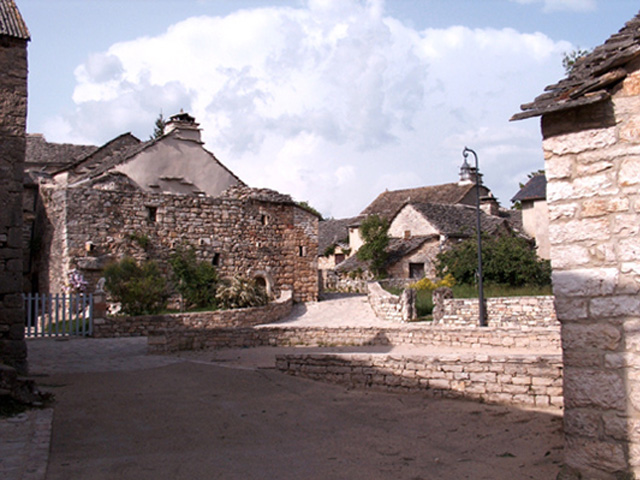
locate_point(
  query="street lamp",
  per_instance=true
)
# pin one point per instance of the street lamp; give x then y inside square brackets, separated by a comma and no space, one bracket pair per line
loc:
[481,307]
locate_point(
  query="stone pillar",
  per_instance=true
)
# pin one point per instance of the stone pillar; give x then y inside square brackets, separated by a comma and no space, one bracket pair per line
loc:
[13,114]
[593,171]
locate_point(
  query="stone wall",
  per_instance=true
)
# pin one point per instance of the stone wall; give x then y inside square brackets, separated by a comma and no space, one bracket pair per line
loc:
[90,227]
[13,113]
[394,308]
[508,312]
[534,339]
[505,379]
[236,318]
[593,171]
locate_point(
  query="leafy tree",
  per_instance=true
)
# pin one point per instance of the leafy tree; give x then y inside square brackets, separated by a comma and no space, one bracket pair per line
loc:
[569,59]
[240,292]
[196,281]
[506,259]
[140,289]
[375,234]
[159,126]
[517,204]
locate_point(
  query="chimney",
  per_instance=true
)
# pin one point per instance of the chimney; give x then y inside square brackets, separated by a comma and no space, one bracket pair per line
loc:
[489,205]
[185,126]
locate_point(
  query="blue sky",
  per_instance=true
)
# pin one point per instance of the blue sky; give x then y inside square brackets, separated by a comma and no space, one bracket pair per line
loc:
[331,101]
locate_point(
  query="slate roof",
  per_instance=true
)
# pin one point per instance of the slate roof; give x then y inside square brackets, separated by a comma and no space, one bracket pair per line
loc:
[332,232]
[389,203]
[534,189]
[459,220]
[43,154]
[398,248]
[593,76]
[11,22]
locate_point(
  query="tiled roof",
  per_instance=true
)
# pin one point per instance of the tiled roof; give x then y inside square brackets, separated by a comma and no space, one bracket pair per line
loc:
[459,220]
[331,232]
[11,22]
[593,76]
[41,153]
[389,203]
[534,189]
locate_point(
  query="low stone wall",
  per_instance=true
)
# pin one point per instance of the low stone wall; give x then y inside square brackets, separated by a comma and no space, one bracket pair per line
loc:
[234,318]
[504,379]
[175,339]
[395,308]
[505,312]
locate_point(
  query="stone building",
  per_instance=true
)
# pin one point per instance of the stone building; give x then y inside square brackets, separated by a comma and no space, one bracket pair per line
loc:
[535,213]
[591,141]
[13,115]
[145,199]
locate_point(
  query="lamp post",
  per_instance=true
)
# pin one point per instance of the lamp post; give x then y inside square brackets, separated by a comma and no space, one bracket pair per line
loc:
[482,317]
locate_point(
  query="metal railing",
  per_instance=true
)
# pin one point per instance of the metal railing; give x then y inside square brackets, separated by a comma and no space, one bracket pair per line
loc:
[58,315]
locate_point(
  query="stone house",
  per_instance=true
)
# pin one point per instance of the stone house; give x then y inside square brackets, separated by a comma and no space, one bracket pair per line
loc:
[14,37]
[590,124]
[419,231]
[423,222]
[535,213]
[145,199]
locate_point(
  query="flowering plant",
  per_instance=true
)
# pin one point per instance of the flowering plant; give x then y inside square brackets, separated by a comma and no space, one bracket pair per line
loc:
[75,282]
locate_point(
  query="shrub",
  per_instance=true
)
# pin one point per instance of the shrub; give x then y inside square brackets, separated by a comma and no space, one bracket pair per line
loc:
[196,281]
[240,292]
[140,289]
[506,260]
[375,233]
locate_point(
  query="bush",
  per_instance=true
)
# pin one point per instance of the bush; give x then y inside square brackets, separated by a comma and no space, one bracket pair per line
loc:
[140,289]
[375,234]
[241,292]
[196,281]
[506,260]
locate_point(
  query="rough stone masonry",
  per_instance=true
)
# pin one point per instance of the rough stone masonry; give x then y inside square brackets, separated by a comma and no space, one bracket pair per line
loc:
[13,114]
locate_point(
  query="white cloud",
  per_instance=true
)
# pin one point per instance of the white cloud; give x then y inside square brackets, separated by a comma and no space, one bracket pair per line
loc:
[332,102]
[560,5]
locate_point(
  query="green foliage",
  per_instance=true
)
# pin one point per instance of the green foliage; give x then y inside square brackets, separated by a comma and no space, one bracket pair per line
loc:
[569,59]
[330,250]
[240,292]
[305,206]
[375,234]
[196,281]
[506,260]
[140,289]
[141,239]
[159,126]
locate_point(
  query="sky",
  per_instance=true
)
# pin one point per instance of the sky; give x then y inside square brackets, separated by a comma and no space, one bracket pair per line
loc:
[330,101]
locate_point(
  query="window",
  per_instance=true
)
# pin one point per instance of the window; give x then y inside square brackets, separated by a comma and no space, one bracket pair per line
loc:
[264,220]
[151,213]
[416,270]
[302,251]
[407,234]
[340,257]
[216,260]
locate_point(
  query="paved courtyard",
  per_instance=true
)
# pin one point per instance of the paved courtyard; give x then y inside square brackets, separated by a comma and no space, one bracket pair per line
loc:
[120,413]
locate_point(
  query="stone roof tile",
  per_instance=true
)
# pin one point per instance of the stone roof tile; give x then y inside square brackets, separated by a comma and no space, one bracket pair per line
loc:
[534,189]
[11,22]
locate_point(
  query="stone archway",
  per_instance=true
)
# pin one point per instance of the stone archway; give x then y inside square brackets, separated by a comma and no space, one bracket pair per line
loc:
[264,280]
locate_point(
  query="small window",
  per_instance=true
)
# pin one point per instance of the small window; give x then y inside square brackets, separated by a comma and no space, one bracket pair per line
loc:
[416,270]
[302,251]
[340,257]
[407,234]
[264,220]
[152,213]
[216,260]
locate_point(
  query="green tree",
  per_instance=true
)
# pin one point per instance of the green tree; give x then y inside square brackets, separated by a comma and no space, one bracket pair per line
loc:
[158,129]
[140,289]
[374,231]
[196,281]
[569,59]
[506,260]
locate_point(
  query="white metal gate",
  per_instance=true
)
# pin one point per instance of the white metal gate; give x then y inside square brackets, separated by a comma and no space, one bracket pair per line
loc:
[56,315]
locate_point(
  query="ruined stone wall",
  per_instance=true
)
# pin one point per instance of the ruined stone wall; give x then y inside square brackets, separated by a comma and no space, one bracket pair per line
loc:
[593,170]
[394,308]
[91,227]
[534,381]
[237,318]
[13,114]
[544,340]
[506,312]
